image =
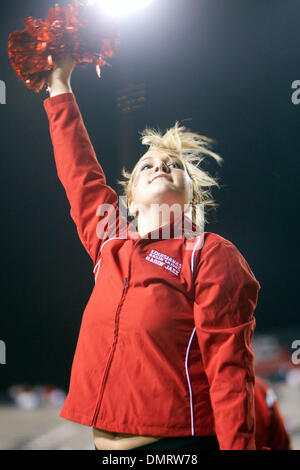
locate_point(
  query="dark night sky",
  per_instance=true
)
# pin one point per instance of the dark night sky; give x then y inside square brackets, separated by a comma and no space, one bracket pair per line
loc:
[227,66]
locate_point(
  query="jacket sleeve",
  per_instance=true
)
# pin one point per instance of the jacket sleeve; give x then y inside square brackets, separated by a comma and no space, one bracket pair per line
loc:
[93,204]
[226,294]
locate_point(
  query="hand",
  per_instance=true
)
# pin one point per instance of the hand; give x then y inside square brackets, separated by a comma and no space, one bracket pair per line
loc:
[59,80]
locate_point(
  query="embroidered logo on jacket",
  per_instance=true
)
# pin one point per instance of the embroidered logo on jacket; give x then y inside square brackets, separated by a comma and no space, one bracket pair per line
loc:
[165,261]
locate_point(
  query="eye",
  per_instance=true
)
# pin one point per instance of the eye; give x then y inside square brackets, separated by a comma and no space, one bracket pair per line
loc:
[144,166]
[177,165]
[174,163]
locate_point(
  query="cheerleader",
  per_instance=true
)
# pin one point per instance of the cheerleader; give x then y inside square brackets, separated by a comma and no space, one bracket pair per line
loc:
[164,357]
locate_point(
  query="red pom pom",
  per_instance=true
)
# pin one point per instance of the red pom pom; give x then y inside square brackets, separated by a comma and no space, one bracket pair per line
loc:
[74,30]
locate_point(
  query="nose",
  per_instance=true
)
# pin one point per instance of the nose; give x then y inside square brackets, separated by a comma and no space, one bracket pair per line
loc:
[161,165]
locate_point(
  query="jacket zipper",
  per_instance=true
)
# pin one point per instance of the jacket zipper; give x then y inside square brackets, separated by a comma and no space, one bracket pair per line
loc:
[111,355]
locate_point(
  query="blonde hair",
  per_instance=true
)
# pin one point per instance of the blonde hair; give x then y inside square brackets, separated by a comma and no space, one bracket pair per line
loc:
[191,148]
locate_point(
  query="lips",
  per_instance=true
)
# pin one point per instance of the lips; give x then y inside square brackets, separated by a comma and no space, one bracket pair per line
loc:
[161,176]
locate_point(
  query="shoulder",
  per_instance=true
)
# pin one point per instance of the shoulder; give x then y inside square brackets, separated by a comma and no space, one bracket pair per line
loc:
[215,242]
[205,240]
[210,248]
[220,254]
[211,238]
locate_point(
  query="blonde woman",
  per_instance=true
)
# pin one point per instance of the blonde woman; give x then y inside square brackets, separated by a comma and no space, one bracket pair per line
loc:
[164,357]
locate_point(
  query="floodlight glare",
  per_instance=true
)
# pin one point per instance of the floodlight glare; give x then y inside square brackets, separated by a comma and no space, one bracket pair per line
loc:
[119,7]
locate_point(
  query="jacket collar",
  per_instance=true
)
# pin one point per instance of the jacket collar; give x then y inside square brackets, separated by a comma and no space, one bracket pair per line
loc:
[180,227]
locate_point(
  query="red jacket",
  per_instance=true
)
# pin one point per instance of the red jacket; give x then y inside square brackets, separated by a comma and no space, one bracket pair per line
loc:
[270,428]
[164,347]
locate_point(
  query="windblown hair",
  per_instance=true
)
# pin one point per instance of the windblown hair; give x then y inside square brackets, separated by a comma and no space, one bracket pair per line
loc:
[191,148]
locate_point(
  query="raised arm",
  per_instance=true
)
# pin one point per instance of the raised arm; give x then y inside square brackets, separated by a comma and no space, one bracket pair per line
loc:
[93,203]
[60,79]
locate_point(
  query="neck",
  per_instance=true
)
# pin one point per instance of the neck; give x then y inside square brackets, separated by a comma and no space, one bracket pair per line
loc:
[152,218]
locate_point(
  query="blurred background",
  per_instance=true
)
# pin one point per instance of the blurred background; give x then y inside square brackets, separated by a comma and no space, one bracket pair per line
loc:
[225,70]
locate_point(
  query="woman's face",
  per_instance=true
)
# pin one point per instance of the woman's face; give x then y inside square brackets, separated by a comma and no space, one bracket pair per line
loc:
[160,178]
